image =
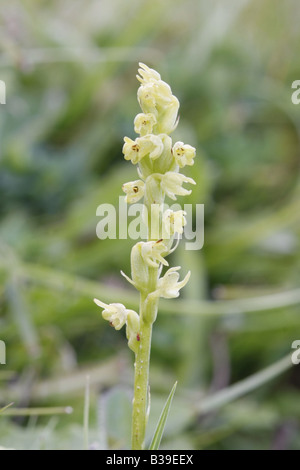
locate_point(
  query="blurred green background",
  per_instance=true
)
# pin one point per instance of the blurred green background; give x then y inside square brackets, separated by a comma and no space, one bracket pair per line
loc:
[70,69]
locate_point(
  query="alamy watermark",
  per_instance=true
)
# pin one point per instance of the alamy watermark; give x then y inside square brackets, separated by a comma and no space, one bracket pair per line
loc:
[2,92]
[296,94]
[296,354]
[2,353]
[130,221]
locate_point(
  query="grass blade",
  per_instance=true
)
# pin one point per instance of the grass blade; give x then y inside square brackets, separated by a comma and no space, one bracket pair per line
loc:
[239,389]
[47,411]
[86,414]
[162,421]
[5,408]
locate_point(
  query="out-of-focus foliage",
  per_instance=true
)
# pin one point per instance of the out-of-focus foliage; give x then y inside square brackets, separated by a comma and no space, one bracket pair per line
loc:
[70,72]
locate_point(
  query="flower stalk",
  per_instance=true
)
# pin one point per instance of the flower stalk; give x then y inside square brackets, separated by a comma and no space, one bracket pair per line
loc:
[158,164]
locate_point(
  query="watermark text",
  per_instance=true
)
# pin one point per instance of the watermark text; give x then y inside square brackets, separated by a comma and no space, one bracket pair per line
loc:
[2,92]
[296,354]
[132,221]
[2,353]
[296,94]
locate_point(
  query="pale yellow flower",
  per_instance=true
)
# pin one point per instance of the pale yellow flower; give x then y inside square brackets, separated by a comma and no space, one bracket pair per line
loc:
[115,314]
[172,182]
[137,149]
[152,253]
[173,222]
[144,123]
[184,154]
[134,191]
[131,150]
[168,285]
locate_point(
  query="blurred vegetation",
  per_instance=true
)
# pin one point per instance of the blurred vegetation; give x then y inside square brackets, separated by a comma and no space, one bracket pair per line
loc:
[71,97]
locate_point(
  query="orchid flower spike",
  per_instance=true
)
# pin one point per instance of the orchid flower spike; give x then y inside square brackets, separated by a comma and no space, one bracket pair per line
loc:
[159,162]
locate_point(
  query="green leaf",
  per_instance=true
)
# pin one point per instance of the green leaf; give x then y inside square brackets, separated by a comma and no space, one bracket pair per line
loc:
[162,421]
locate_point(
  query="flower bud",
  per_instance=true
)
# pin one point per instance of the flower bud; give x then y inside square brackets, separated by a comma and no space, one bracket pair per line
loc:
[151,307]
[166,161]
[139,269]
[153,190]
[144,123]
[155,97]
[147,74]
[133,330]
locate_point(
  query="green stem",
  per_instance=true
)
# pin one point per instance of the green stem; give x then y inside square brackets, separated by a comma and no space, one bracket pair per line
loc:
[142,363]
[141,383]
[148,311]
